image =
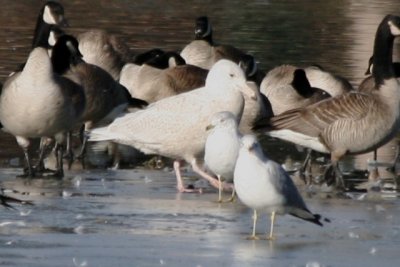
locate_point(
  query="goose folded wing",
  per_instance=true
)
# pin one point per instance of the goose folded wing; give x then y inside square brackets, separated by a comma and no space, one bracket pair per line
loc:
[315,118]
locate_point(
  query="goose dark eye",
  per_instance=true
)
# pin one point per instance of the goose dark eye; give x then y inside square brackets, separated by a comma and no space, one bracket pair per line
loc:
[232,75]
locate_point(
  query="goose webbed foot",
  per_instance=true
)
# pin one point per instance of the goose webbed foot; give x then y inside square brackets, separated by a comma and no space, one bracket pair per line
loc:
[333,176]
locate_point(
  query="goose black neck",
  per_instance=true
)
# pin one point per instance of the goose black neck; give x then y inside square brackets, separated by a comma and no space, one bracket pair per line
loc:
[301,84]
[41,34]
[203,30]
[65,53]
[383,53]
[208,38]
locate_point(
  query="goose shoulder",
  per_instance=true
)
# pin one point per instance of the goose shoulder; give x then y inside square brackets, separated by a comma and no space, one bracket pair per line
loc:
[184,78]
[198,53]
[104,50]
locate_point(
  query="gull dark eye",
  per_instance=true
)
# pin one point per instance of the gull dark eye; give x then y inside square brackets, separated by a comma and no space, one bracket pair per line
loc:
[232,75]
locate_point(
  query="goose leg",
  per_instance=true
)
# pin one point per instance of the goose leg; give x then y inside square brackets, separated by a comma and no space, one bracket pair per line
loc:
[334,175]
[59,150]
[69,155]
[396,159]
[82,153]
[30,172]
[44,144]
[305,167]
[24,144]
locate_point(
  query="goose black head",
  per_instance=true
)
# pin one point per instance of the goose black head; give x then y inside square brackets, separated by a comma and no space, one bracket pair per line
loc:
[53,13]
[203,30]
[144,57]
[166,60]
[65,53]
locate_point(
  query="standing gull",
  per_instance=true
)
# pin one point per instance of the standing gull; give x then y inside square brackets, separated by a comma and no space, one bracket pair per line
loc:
[264,185]
[222,147]
[174,126]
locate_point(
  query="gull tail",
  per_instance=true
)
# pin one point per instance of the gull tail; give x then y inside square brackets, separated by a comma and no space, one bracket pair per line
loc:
[101,134]
[306,215]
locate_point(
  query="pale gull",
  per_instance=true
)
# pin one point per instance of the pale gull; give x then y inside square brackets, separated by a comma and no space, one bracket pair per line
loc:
[222,147]
[264,185]
[174,127]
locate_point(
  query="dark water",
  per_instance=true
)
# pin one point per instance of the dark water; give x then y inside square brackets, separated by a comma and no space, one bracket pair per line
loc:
[134,217]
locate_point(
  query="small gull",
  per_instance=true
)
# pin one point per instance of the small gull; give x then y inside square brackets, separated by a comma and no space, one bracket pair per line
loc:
[264,185]
[222,147]
[174,127]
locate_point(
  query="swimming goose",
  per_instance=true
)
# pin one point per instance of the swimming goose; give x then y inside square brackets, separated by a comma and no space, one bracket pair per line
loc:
[174,127]
[354,122]
[52,13]
[264,186]
[38,103]
[106,50]
[222,148]
[204,53]
[284,96]
[104,96]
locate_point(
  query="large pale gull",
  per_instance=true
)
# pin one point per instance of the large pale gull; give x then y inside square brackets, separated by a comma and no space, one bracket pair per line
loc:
[174,127]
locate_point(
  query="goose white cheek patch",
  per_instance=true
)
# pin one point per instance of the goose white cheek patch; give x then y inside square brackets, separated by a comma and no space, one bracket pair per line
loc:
[48,17]
[394,29]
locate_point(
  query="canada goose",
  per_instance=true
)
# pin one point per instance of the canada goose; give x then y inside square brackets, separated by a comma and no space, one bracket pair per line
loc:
[141,58]
[319,78]
[204,53]
[166,60]
[104,96]
[174,126]
[105,50]
[353,122]
[52,13]
[368,84]
[50,19]
[222,147]
[52,105]
[297,93]
[152,81]
[264,186]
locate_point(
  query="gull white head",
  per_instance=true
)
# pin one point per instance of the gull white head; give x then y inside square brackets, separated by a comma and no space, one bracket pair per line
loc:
[226,73]
[251,145]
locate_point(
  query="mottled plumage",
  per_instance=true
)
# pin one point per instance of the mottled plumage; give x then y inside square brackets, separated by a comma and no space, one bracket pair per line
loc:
[175,126]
